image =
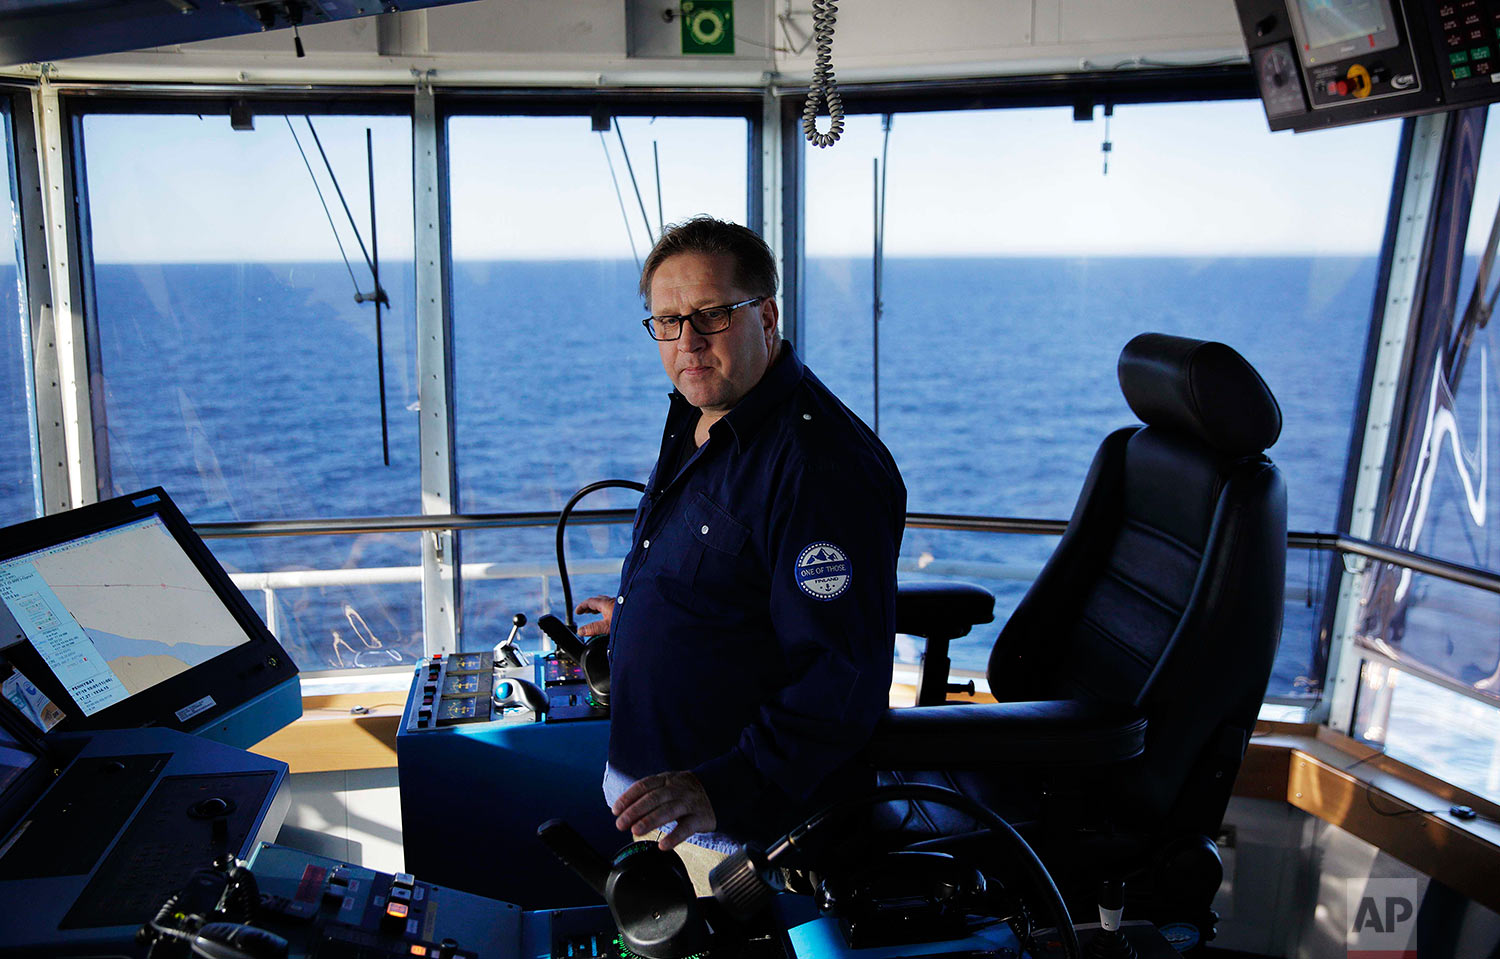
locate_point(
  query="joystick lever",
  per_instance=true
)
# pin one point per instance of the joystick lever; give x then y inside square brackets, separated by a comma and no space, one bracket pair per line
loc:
[1110,942]
[507,649]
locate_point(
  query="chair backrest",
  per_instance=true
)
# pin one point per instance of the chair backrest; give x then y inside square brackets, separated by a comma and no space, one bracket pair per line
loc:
[1166,591]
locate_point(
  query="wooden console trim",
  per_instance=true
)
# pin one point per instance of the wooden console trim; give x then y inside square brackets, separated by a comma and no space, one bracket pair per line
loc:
[341,731]
[1389,804]
[331,735]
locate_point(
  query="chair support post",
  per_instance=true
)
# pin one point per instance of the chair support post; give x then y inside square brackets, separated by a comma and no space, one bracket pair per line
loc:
[932,672]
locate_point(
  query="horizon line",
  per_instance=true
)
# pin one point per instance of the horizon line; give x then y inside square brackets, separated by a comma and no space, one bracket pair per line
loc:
[1198,255]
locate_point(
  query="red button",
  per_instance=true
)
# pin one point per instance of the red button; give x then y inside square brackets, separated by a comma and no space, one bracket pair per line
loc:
[1343,88]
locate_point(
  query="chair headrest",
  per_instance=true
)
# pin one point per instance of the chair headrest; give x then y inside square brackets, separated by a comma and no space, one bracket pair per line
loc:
[1202,388]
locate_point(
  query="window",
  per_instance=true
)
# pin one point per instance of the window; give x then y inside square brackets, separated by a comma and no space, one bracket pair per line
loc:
[1441,633]
[236,366]
[18,464]
[555,383]
[1445,733]
[1016,268]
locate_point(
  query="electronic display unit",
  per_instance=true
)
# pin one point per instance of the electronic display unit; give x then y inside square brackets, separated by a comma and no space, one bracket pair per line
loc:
[1336,30]
[120,615]
[25,769]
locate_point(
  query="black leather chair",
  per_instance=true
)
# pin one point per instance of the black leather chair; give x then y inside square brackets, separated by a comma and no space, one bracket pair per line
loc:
[1131,673]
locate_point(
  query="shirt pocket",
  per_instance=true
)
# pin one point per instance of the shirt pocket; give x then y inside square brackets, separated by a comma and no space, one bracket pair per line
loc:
[716,579]
[714,527]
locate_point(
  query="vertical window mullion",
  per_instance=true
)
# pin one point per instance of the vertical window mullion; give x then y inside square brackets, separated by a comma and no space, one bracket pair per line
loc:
[792,206]
[30,254]
[435,433]
[62,318]
[1407,268]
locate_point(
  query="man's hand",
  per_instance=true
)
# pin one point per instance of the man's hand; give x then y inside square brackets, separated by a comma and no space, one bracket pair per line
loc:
[653,802]
[604,606]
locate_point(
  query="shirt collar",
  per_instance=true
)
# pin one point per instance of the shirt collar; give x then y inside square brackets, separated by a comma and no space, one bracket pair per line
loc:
[775,386]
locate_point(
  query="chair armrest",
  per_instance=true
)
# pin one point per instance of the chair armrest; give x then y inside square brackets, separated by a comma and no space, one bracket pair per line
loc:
[942,610]
[1062,732]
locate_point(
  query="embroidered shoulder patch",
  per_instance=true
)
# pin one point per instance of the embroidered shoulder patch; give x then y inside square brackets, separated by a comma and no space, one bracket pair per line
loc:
[823,571]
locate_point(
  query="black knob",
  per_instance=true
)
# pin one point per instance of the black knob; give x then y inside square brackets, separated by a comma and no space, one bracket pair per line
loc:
[211,808]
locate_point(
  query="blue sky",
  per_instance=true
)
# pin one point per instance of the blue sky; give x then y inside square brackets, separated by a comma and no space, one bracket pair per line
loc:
[1184,179]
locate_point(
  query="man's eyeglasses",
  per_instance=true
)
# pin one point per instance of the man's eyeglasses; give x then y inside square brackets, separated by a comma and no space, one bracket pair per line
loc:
[705,322]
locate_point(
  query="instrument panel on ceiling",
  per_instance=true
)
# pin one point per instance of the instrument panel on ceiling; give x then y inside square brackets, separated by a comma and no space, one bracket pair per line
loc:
[1324,63]
[36,31]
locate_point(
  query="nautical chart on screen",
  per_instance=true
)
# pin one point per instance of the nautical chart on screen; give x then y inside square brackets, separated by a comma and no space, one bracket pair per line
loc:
[115,612]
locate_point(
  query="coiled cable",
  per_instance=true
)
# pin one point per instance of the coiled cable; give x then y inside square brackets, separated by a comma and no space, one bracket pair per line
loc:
[824,86]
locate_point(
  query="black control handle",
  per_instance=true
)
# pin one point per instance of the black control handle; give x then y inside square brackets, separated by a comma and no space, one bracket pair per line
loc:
[566,641]
[574,851]
[516,622]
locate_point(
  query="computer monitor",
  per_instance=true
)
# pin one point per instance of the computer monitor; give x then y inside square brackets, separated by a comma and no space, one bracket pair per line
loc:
[24,767]
[118,614]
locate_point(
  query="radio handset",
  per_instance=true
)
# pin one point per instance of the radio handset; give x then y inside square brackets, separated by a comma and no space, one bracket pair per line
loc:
[592,657]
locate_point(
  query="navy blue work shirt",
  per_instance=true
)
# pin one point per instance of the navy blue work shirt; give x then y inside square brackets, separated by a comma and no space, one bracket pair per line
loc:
[752,633]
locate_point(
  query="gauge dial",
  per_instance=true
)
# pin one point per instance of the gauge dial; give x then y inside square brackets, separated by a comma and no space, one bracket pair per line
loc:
[1280,80]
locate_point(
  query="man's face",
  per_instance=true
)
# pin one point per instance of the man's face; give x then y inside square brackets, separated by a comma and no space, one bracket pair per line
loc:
[712,372]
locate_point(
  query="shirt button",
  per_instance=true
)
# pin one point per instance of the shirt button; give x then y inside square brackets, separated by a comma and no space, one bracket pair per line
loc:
[704,531]
[645,544]
[620,599]
[807,416]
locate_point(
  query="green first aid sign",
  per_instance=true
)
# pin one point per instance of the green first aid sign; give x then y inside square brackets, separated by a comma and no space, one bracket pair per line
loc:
[707,26]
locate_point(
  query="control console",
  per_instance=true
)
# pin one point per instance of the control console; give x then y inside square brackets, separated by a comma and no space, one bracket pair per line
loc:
[327,908]
[466,688]
[1321,64]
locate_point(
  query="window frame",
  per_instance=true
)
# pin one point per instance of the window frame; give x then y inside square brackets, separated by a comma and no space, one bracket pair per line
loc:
[428,112]
[31,265]
[1085,92]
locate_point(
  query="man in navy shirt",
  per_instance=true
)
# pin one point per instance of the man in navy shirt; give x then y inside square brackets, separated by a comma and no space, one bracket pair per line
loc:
[751,637]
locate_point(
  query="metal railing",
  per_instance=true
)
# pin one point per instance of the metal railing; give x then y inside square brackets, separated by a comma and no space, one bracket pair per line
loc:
[269,582]
[1348,545]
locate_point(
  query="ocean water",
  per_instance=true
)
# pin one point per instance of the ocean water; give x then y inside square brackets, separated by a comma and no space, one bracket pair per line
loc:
[250,392]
